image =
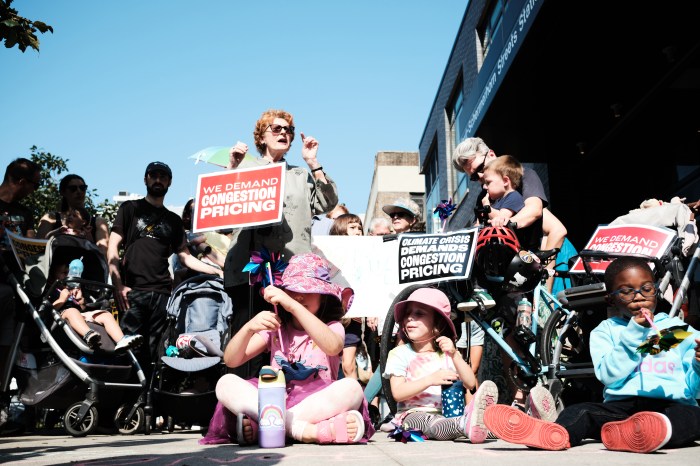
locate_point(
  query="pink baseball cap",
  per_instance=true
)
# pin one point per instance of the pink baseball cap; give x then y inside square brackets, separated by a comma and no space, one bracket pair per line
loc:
[432,297]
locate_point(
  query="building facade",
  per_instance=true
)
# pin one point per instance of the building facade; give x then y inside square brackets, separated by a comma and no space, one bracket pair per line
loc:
[601,98]
[396,175]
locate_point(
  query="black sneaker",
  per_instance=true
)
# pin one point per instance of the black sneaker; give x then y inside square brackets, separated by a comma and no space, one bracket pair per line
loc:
[92,339]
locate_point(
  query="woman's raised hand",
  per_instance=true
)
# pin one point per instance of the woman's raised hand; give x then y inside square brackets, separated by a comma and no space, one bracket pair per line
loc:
[309,150]
[236,154]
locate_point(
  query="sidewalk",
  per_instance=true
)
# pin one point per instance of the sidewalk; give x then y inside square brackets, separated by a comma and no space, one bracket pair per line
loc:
[181,448]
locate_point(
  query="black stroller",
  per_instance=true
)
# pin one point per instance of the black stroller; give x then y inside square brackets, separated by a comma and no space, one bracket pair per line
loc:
[198,329]
[63,373]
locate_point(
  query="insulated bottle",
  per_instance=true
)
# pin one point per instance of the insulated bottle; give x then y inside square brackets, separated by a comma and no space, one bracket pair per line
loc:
[272,408]
[75,270]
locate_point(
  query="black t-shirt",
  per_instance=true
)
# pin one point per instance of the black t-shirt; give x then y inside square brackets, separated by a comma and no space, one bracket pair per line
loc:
[150,235]
[16,218]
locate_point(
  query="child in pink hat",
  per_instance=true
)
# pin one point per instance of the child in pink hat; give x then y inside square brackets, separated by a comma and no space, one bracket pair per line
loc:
[305,339]
[425,362]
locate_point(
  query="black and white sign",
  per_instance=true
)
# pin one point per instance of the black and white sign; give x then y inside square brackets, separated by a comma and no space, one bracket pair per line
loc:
[436,257]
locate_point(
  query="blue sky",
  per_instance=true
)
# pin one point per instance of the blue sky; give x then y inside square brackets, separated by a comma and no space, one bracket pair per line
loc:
[122,83]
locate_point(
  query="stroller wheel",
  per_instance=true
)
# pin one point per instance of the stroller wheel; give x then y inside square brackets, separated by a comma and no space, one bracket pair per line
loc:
[129,426]
[76,427]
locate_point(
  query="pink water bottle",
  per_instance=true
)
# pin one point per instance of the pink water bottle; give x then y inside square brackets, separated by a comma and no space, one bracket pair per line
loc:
[272,408]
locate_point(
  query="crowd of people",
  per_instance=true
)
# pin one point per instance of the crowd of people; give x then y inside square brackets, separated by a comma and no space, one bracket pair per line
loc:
[298,326]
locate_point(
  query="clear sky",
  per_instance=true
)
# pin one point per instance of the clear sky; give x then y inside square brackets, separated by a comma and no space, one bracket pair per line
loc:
[122,83]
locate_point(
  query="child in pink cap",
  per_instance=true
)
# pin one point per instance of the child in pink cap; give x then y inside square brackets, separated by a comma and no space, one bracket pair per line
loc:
[426,361]
[305,339]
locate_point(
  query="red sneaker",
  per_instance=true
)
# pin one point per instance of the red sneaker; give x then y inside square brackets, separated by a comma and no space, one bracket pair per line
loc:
[514,426]
[641,433]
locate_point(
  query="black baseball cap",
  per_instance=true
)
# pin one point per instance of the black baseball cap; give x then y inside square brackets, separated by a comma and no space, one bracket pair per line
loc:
[159,167]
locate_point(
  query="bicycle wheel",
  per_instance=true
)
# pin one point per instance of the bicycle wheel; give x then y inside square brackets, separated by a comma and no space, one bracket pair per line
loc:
[574,356]
[388,342]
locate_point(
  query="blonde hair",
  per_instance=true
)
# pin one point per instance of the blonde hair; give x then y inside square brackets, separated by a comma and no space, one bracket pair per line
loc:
[507,165]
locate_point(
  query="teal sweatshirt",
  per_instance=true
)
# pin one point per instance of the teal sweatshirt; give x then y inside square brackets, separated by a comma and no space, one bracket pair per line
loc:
[672,374]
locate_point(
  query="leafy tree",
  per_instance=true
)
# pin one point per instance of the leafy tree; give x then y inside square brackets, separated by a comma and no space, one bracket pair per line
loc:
[19,31]
[47,198]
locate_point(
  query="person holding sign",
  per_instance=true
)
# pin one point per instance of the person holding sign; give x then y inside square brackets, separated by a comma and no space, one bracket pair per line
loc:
[306,192]
[650,393]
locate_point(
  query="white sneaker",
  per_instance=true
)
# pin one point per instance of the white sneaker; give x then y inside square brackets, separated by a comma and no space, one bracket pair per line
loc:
[128,342]
[541,404]
[473,303]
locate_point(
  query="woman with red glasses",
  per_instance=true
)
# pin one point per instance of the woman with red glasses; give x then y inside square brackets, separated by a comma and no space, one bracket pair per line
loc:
[73,190]
[307,191]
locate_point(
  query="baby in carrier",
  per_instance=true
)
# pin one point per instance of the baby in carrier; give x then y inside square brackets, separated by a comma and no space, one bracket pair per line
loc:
[69,301]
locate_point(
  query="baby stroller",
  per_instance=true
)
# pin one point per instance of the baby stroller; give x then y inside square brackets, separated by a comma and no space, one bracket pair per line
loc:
[197,330]
[57,369]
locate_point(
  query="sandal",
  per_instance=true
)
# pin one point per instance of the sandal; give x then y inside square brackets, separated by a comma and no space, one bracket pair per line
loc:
[325,435]
[92,339]
[240,436]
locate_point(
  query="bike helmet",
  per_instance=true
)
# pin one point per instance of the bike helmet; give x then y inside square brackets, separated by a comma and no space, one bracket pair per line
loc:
[495,249]
[523,273]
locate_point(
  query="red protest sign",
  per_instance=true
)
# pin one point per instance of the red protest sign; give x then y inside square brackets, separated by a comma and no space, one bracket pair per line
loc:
[239,198]
[626,239]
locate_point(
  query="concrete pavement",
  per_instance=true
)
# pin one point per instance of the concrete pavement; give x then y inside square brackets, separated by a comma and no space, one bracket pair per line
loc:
[181,448]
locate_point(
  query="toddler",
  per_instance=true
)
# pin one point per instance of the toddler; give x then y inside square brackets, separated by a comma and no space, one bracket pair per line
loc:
[428,360]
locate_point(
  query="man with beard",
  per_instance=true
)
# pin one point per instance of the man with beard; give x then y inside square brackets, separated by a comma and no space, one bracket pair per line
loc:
[142,280]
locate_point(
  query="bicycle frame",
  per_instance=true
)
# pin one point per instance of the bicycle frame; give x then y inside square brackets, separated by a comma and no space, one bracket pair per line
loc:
[530,365]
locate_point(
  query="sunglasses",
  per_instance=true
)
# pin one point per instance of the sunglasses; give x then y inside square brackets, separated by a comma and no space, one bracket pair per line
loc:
[75,187]
[400,214]
[480,169]
[277,129]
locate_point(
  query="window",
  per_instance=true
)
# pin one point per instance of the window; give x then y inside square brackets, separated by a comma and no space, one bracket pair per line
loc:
[432,181]
[456,119]
[489,24]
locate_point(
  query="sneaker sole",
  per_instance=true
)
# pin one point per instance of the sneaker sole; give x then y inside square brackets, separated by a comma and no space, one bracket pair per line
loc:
[467,306]
[514,426]
[485,396]
[641,433]
[541,404]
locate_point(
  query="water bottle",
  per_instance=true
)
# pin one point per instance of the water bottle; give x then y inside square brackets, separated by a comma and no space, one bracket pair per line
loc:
[453,399]
[523,322]
[272,408]
[75,270]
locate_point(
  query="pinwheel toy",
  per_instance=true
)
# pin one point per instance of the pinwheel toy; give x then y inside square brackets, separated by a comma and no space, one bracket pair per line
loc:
[663,340]
[407,435]
[444,209]
[257,267]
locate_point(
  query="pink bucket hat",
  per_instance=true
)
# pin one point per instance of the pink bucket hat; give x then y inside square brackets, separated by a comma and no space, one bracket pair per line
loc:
[431,297]
[309,273]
